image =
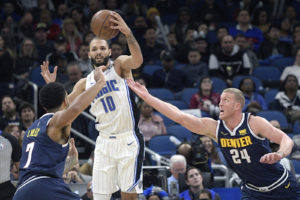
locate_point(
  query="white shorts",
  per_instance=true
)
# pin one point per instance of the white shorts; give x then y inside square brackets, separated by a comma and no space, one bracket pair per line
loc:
[118,163]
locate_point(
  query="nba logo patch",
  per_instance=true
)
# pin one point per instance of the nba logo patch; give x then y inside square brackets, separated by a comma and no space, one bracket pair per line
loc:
[140,184]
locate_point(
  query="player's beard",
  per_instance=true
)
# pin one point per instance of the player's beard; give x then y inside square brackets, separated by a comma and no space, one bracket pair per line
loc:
[98,64]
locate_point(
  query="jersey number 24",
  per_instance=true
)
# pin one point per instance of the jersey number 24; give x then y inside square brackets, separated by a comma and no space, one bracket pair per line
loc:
[237,156]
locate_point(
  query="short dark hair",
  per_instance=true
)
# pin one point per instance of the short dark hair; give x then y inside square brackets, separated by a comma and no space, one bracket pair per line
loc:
[52,95]
[26,105]
[275,26]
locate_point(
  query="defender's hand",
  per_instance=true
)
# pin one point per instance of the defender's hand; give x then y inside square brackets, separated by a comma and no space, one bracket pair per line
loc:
[48,77]
[139,89]
[271,158]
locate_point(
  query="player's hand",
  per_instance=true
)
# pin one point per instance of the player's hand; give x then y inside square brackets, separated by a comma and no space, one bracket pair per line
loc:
[139,89]
[99,75]
[271,158]
[48,77]
[73,153]
[120,24]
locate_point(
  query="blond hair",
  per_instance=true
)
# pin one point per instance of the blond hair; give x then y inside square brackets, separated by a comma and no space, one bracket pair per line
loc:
[238,95]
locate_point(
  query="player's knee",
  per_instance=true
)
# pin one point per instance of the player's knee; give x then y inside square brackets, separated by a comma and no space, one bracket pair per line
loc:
[101,196]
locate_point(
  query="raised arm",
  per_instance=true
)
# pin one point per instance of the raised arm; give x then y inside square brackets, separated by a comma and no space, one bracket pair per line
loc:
[51,77]
[136,58]
[203,126]
[64,118]
[263,128]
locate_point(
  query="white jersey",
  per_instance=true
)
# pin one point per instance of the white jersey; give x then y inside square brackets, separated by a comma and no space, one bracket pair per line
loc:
[112,107]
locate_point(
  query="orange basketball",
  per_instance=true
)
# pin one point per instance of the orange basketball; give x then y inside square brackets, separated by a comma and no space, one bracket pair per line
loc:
[100,25]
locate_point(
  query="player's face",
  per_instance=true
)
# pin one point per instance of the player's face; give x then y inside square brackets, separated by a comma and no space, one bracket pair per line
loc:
[99,52]
[226,105]
[194,178]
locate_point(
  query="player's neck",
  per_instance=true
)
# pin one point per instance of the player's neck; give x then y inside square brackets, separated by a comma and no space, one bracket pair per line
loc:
[234,121]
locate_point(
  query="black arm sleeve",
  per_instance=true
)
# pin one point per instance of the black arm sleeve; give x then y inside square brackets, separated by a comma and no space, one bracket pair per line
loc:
[16,148]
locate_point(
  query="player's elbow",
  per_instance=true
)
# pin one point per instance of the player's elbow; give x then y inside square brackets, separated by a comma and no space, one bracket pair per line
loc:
[138,61]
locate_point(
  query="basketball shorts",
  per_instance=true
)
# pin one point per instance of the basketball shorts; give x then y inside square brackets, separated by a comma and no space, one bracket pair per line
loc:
[118,163]
[45,188]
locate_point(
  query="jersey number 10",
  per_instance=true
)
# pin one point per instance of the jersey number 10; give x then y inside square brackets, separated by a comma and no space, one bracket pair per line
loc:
[108,104]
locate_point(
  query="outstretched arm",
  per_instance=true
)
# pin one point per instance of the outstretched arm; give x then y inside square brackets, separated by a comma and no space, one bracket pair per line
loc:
[265,129]
[136,58]
[203,126]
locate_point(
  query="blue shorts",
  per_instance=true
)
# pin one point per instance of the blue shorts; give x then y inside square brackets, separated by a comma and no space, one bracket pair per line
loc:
[288,190]
[46,189]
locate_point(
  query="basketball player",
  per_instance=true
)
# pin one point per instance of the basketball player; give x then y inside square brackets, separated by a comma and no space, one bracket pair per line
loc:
[119,150]
[46,143]
[242,139]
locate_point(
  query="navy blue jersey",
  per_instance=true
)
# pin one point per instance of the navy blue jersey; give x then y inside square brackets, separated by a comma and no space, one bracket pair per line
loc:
[41,156]
[243,149]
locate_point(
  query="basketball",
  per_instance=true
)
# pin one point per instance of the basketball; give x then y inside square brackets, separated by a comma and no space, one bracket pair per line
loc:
[100,25]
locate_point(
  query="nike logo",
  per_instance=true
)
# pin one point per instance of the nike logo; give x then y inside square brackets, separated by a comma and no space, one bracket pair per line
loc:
[286,187]
[130,143]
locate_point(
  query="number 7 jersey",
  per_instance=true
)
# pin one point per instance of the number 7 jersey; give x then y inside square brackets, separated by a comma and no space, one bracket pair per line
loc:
[242,150]
[114,106]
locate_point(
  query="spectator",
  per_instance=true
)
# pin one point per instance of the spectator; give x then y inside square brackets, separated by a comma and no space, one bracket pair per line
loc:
[155,193]
[15,131]
[116,50]
[294,69]
[245,46]
[151,17]
[43,46]
[261,19]
[87,167]
[211,13]
[168,77]
[71,35]
[83,61]
[79,19]
[89,192]
[211,150]
[288,100]
[194,180]
[11,152]
[205,195]
[177,165]
[296,39]
[184,20]
[221,32]
[151,49]
[74,75]
[247,86]
[150,124]
[27,58]
[9,117]
[26,25]
[272,45]
[195,69]
[73,176]
[7,66]
[229,62]
[27,115]
[202,46]
[53,29]
[244,27]
[205,99]
[285,31]
[139,28]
